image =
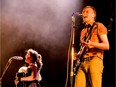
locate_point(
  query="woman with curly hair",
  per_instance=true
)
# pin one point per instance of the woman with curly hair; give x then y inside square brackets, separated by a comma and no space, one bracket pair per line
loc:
[30,76]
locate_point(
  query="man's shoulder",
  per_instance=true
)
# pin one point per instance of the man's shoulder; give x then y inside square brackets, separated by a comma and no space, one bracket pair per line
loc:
[99,23]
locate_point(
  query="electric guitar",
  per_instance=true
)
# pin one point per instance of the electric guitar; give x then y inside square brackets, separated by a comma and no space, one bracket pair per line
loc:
[81,52]
[21,73]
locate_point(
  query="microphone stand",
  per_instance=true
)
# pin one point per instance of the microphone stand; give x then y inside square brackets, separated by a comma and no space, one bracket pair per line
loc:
[6,67]
[72,50]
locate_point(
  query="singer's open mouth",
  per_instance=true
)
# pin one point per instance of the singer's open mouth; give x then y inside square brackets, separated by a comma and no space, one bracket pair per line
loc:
[85,16]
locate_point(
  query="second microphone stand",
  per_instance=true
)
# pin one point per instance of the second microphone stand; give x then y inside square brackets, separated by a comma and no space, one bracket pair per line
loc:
[6,67]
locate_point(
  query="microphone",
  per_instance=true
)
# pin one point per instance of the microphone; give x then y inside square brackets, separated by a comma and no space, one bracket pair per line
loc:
[77,14]
[17,57]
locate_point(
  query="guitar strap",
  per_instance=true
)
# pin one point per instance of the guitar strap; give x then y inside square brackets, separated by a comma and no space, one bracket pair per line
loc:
[89,33]
[86,39]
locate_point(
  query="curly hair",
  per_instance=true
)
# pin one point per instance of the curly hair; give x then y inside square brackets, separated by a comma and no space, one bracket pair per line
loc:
[36,57]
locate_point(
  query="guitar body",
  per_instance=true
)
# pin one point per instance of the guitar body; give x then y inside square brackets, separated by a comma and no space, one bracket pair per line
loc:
[24,72]
[79,59]
[20,83]
[21,73]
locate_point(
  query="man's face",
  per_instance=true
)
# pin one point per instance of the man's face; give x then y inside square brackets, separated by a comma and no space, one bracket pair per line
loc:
[88,14]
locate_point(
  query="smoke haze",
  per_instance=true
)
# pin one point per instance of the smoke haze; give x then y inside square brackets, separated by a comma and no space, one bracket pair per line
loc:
[42,22]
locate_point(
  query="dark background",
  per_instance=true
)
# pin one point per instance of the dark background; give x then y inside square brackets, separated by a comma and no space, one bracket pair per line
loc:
[45,26]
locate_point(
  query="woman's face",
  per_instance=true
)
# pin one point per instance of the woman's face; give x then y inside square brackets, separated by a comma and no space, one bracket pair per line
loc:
[28,58]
